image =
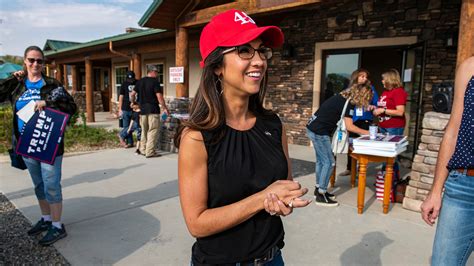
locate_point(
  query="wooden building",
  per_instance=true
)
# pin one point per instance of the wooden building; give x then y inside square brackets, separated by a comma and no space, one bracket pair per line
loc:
[324,42]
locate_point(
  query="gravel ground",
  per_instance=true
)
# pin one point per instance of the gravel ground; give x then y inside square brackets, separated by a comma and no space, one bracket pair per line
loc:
[16,247]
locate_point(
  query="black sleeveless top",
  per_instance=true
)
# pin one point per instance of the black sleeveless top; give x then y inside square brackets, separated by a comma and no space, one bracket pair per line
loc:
[243,163]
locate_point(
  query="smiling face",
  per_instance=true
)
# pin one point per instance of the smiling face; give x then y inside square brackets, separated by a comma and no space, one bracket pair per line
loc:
[34,62]
[242,76]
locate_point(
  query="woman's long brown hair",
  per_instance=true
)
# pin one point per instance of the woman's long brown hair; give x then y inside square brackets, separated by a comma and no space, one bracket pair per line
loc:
[360,94]
[207,110]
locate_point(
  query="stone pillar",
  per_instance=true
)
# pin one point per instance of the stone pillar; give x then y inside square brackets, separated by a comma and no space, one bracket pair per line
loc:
[89,91]
[182,60]
[466,34]
[137,65]
[74,78]
[424,163]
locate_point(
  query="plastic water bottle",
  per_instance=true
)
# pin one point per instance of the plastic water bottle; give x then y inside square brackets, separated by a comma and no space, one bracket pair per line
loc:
[373,129]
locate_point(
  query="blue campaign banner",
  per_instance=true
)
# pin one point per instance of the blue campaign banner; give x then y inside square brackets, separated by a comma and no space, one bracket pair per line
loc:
[42,135]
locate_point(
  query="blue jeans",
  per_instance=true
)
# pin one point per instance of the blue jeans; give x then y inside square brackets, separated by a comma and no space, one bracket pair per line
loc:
[124,134]
[392,131]
[46,179]
[324,159]
[127,119]
[453,243]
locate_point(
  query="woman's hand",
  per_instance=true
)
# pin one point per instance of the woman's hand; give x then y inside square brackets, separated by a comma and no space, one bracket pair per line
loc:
[19,74]
[274,206]
[430,208]
[286,190]
[378,111]
[371,107]
[39,105]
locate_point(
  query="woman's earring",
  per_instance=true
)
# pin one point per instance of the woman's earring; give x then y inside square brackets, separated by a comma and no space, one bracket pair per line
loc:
[220,85]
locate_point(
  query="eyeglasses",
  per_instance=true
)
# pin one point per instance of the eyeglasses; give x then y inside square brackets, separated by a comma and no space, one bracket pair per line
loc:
[247,52]
[33,60]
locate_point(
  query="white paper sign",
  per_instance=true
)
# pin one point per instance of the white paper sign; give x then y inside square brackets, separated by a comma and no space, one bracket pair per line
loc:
[407,75]
[176,74]
[27,111]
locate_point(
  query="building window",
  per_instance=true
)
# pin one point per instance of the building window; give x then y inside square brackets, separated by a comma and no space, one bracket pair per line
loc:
[120,75]
[161,73]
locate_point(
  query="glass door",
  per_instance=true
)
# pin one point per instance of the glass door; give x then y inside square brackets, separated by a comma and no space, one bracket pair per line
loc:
[337,69]
[412,79]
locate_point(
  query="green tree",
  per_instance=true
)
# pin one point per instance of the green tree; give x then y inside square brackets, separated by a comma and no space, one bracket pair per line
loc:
[12,59]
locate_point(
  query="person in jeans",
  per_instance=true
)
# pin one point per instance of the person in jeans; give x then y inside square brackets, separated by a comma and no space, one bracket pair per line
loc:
[453,242]
[125,111]
[150,97]
[362,117]
[134,126]
[391,104]
[233,166]
[322,126]
[22,87]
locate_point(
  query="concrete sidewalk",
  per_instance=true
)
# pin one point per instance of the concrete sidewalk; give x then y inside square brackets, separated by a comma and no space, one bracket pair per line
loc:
[120,208]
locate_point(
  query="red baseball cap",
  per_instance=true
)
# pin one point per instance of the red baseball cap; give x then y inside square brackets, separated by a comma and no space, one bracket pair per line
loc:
[233,28]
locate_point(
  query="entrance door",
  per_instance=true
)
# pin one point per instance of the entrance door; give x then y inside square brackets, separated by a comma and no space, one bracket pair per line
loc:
[412,78]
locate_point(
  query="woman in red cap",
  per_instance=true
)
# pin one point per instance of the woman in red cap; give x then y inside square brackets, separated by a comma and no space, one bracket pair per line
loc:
[234,173]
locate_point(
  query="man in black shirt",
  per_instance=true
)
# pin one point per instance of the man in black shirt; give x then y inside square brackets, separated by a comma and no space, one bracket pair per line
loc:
[150,97]
[125,111]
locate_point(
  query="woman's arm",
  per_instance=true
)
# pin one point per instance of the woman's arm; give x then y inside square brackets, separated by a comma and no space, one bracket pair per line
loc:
[399,111]
[193,191]
[432,205]
[7,86]
[353,128]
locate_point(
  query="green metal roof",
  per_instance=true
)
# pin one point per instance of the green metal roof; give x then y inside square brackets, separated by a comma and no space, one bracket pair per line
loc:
[150,11]
[120,37]
[57,45]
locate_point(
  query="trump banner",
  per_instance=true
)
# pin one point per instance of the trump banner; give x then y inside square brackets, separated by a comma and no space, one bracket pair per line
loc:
[42,135]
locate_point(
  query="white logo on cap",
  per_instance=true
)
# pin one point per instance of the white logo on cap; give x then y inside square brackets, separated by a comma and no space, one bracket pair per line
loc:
[242,18]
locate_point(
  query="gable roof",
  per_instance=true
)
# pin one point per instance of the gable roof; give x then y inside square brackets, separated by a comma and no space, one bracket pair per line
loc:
[57,45]
[119,37]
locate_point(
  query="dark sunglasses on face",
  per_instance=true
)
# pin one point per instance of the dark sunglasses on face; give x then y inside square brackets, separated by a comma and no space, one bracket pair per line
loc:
[33,60]
[247,52]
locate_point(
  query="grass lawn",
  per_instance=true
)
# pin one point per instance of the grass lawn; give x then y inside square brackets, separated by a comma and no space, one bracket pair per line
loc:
[79,137]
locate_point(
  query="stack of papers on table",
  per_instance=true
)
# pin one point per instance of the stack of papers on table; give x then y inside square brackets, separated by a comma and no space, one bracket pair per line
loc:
[382,145]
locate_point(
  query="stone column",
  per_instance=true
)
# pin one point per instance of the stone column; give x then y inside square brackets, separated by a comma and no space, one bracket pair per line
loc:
[89,91]
[424,163]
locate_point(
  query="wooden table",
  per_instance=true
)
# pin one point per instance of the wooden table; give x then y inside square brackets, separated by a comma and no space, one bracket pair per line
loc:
[364,160]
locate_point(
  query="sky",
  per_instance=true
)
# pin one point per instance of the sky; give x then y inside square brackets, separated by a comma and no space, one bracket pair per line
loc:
[32,22]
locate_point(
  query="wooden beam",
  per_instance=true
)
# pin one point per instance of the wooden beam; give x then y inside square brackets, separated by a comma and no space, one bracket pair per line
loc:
[89,91]
[74,78]
[182,60]
[137,65]
[203,16]
[466,35]
[59,73]
[65,80]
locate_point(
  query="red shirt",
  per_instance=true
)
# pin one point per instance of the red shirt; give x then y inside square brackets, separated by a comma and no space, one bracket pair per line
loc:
[390,99]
